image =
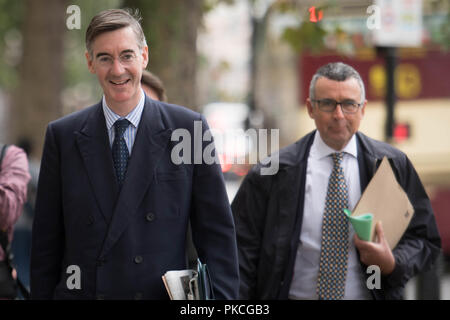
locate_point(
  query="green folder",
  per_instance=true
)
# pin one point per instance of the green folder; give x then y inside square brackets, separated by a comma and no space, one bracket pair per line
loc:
[362,224]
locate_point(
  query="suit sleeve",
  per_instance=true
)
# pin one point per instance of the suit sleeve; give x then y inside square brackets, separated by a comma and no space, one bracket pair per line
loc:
[249,211]
[14,178]
[213,230]
[48,231]
[420,245]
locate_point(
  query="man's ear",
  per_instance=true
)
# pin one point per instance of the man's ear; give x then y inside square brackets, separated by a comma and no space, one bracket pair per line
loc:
[309,106]
[89,62]
[144,57]
[363,108]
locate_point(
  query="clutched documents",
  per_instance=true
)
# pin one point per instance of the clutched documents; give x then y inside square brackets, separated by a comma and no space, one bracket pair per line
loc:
[386,201]
[362,224]
[189,284]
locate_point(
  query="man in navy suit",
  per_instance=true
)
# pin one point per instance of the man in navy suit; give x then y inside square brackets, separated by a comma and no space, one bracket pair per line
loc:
[113,206]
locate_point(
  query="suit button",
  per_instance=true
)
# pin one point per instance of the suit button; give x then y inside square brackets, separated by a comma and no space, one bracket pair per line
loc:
[90,220]
[138,259]
[150,216]
[138,296]
[101,261]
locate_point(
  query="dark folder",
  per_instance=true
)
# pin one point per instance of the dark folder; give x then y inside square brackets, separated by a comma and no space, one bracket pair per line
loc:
[205,288]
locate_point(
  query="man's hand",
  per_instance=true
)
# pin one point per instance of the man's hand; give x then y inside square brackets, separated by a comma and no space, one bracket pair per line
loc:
[376,253]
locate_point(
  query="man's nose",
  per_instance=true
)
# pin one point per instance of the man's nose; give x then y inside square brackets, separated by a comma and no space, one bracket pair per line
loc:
[338,112]
[117,67]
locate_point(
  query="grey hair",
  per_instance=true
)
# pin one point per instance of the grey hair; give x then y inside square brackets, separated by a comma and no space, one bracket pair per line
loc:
[113,19]
[337,71]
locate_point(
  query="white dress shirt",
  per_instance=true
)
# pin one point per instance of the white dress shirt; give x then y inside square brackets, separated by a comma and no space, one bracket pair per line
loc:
[134,117]
[306,268]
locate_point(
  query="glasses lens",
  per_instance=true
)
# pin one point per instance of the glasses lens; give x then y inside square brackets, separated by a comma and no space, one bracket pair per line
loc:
[350,106]
[327,105]
[127,58]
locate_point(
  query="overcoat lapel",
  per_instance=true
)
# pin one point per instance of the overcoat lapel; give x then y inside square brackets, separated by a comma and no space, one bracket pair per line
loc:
[292,199]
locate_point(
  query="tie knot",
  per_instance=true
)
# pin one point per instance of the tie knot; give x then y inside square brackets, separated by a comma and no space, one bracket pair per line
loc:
[337,158]
[120,126]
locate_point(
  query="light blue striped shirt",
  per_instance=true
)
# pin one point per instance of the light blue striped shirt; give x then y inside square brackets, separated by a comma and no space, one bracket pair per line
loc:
[134,117]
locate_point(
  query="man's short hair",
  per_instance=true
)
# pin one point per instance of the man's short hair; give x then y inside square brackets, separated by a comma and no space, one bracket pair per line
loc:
[113,19]
[154,83]
[337,71]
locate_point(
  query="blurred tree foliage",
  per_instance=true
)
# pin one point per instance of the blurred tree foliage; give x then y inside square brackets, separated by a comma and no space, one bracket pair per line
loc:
[11,20]
[311,37]
[441,34]
[36,99]
[306,36]
[171,29]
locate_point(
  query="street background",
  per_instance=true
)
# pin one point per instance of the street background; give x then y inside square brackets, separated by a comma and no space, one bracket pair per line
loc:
[246,64]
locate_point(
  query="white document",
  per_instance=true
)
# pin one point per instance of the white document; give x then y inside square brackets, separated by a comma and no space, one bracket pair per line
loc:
[178,284]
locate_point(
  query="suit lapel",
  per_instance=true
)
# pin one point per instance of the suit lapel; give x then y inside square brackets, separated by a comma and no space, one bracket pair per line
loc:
[95,151]
[151,141]
[288,193]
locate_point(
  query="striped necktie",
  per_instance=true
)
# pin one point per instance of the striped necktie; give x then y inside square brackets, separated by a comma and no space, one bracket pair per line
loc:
[334,251]
[120,150]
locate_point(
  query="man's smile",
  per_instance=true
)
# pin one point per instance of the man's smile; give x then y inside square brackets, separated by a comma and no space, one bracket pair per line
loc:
[119,83]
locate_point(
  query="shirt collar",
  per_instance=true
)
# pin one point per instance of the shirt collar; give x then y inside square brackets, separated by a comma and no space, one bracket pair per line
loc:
[320,149]
[134,116]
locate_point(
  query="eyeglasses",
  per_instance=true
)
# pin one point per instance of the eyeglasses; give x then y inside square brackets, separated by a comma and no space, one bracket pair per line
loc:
[329,105]
[125,59]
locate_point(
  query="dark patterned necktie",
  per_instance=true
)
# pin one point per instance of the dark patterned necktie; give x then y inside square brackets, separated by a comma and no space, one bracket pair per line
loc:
[334,251]
[120,150]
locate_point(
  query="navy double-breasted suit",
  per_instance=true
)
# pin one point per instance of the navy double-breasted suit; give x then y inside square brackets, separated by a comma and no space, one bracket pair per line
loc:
[123,241]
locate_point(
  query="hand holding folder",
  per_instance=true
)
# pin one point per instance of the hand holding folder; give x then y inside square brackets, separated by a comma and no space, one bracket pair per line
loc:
[189,284]
[205,288]
[361,224]
[385,199]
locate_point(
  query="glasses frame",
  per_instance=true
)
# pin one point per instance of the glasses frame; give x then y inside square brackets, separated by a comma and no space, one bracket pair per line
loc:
[121,58]
[336,103]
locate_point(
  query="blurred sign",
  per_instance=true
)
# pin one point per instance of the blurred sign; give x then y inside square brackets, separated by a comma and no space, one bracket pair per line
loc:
[419,73]
[401,23]
[401,132]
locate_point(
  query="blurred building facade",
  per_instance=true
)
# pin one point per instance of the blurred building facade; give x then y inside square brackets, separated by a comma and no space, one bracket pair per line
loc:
[422,110]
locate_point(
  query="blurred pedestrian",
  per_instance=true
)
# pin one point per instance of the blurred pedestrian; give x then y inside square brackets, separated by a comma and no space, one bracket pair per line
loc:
[294,240]
[153,86]
[112,207]
[21,245]
[14,178]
